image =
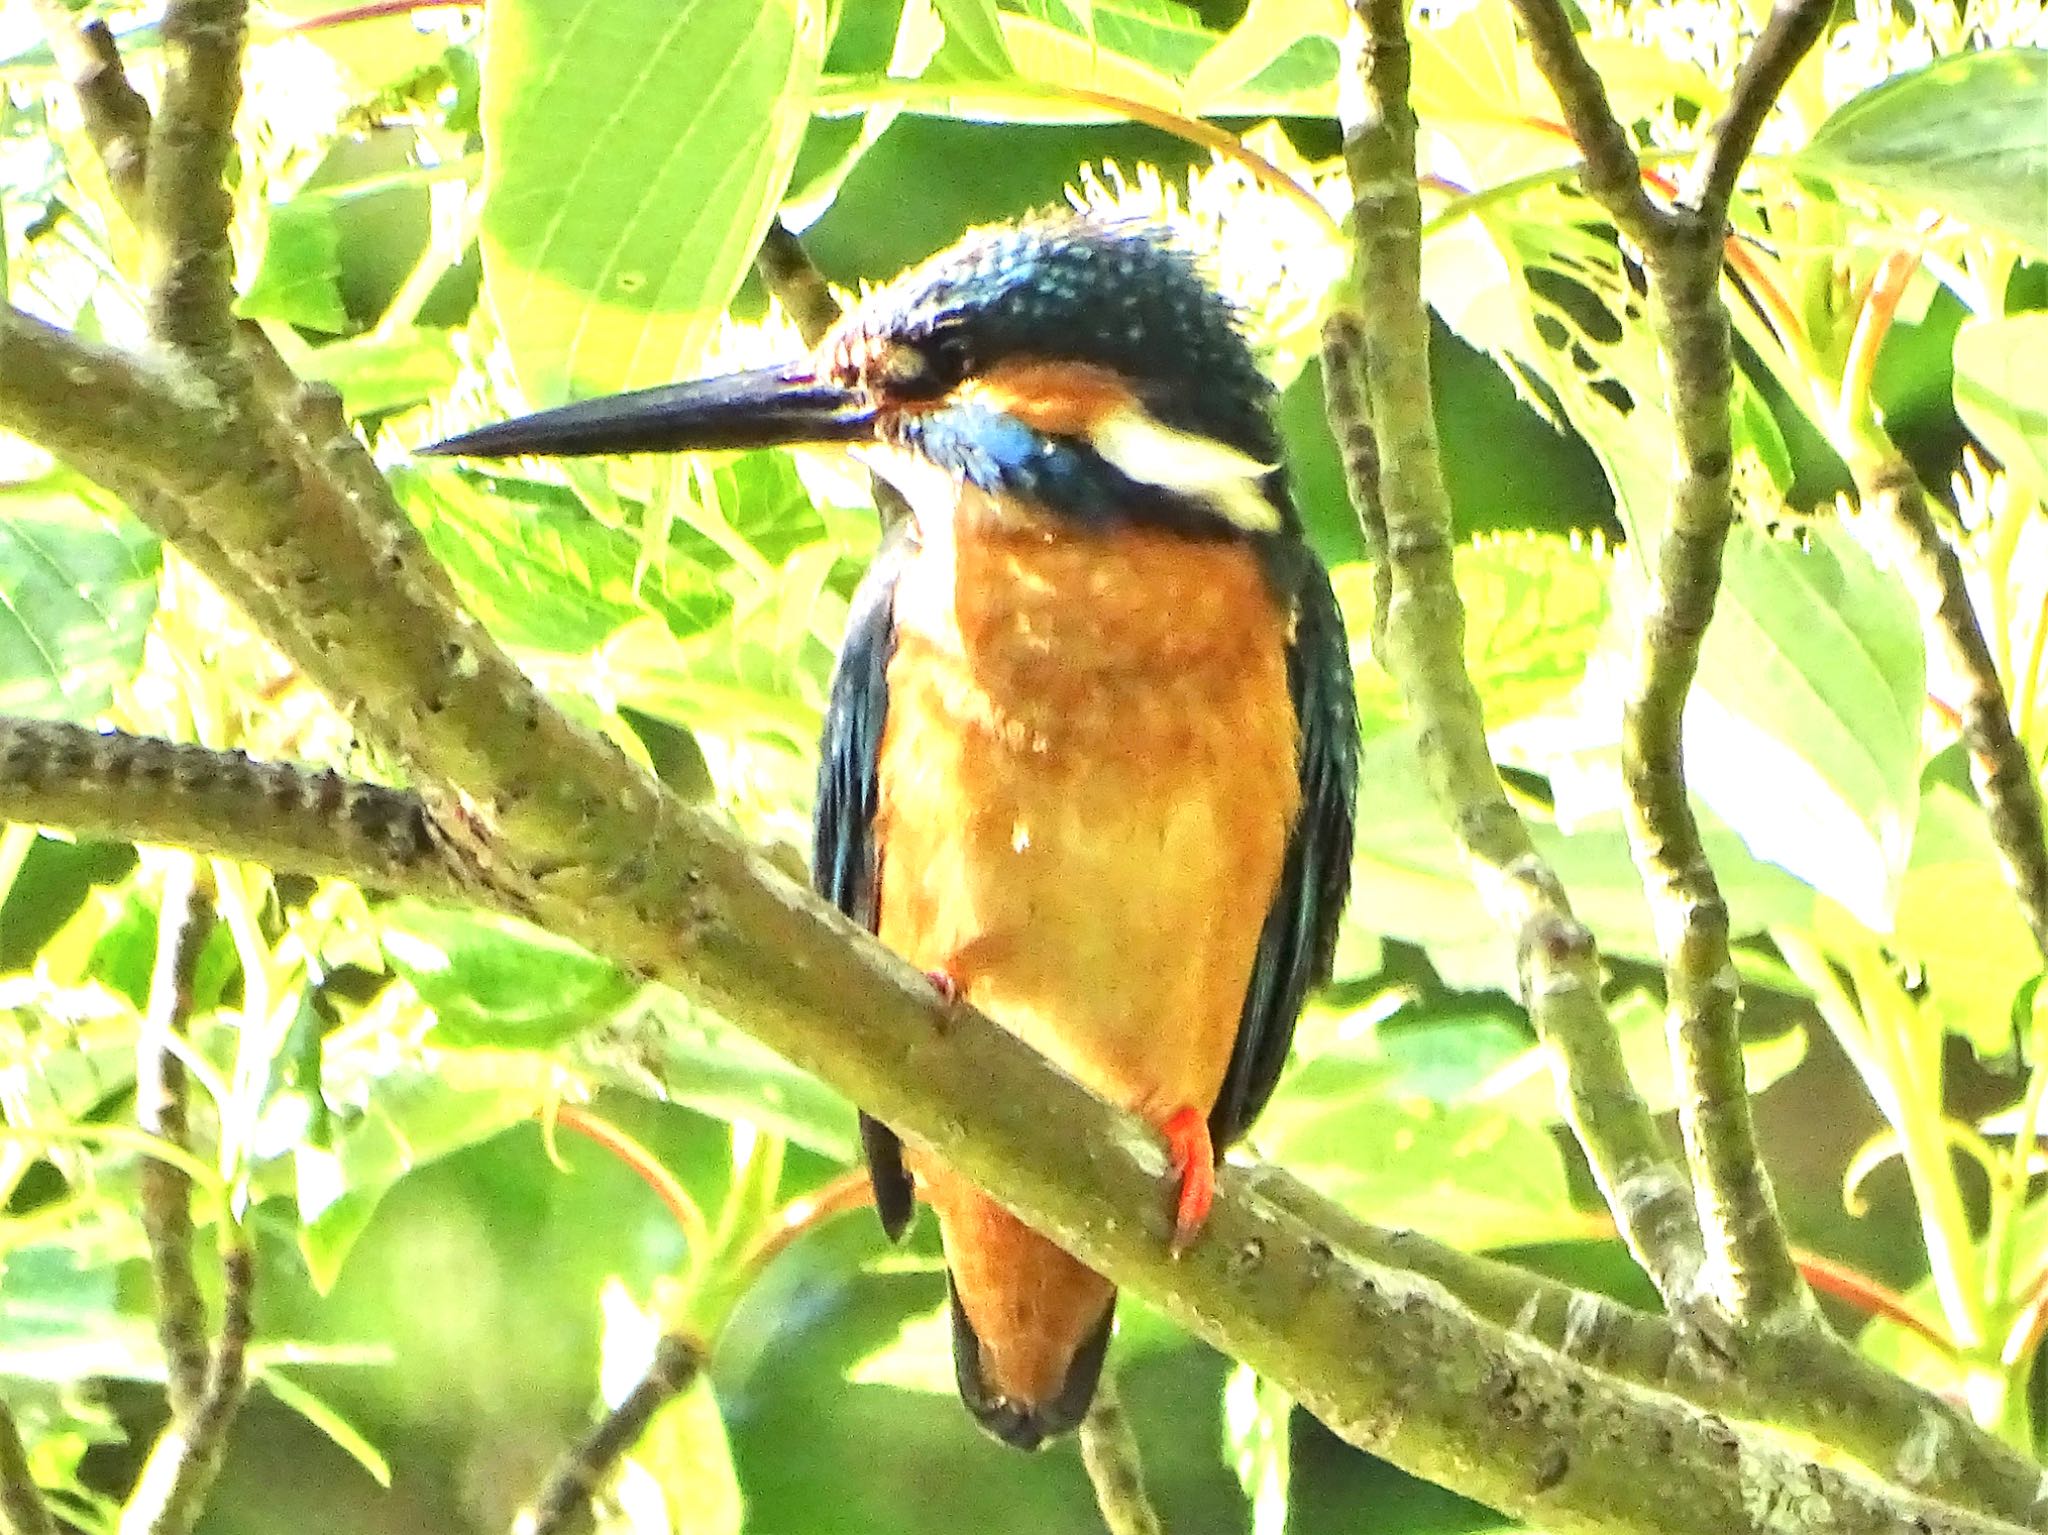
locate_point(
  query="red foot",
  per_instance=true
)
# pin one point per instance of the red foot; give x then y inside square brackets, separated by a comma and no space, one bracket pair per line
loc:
[944,983]
[1194,1164]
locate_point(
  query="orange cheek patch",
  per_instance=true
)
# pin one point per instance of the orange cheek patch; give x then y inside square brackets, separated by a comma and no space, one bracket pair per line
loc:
[1061,399]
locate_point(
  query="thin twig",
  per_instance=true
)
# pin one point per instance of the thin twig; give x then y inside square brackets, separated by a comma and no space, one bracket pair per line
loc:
[184,920]
[1750,1269]
[1896,504]
[1109,1451]
[563,1506]
[1420,638]
[1612,174]
[22,1509]
[308,821]
[115,115]
[171,1492]
[189,268]
[1794,29]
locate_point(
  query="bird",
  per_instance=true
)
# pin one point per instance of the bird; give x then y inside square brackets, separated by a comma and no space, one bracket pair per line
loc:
[1090,751]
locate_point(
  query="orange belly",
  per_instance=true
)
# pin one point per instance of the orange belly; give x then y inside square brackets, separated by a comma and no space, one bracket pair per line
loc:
[1087,779]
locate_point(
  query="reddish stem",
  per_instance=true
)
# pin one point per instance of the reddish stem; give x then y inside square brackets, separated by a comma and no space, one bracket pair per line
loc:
[380,10]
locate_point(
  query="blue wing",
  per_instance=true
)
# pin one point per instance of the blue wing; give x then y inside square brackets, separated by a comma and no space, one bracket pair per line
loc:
[844,865]
[1300,935]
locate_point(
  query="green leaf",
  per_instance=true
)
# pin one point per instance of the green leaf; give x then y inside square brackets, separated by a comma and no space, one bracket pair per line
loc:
[697,1059]
[1956,918]
[381,373]
[973,25]
[1469,1175]
[1803,732]
[1267,30]
[1998,392]
[1256,1417]
[1409,880]
[633,159]
[1964,136]
[919,1358]
[298,278]
[77,594]
[1535,611]
[498,982]
[333,1426]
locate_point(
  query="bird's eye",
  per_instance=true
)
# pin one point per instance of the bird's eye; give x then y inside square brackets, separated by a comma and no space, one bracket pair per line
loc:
[905,370]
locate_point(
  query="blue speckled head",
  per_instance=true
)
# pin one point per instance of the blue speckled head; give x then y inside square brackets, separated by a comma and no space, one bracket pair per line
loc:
[1121,295]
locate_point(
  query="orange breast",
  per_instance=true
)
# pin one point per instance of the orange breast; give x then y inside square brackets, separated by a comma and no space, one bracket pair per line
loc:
[1087,779]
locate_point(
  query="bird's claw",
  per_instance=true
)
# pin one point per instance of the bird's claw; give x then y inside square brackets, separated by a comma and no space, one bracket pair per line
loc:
[1194,1166]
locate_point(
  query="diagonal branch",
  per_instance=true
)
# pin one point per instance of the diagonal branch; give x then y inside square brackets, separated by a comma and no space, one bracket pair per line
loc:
[115,115]
[1109,1452]
[563,1507]
[1896,503]
[22,1509]
[1419,628]
[1284,1279]
[1794,30]
[1611,173]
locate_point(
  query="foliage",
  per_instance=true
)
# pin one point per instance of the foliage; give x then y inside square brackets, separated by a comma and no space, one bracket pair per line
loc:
[450,222]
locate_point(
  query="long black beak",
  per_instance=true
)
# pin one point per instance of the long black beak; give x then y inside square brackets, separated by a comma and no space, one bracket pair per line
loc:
[766,407]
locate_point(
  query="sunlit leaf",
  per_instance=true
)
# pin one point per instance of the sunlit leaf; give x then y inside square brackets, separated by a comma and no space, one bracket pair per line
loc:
[1471,1176]
[1957,920]
[334,1427]
[1803,732]
[975,26]
[633,159]
[496,981]
[77,593]
[678,1476]
[298,279]
[1256,1418]
[1965,136]
[1999,394]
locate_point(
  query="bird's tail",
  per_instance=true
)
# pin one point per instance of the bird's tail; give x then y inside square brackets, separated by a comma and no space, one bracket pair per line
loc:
[1030,1324]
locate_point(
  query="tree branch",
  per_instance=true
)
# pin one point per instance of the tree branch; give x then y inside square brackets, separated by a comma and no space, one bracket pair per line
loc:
[115,115]
[276,814]
[563,1506]
[181,1469]
[1612,175]
[1109,1452]
[184,919]
[1795,28]
[1895,503]
[738,936]
[188,263]
[22,1509]
[1750,1269]
[1420,632]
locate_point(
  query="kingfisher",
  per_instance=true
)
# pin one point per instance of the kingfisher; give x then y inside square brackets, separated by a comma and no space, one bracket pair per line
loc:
[1090,749]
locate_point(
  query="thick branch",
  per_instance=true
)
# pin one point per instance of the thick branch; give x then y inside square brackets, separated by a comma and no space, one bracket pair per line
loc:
[1422,644]
[189,265]
[1895,502]
[1795,28]
[276,814]
[184,918]
[563,1506]
[736,935]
